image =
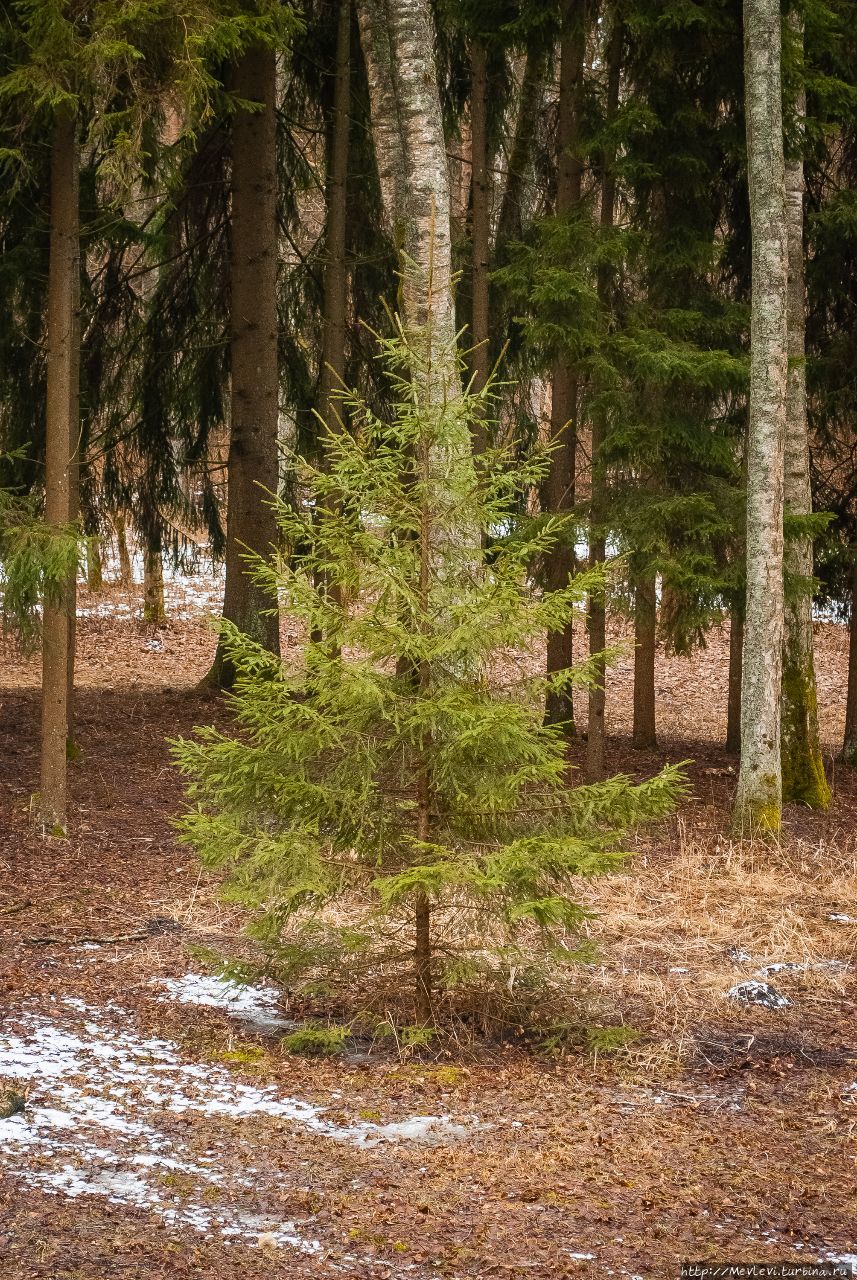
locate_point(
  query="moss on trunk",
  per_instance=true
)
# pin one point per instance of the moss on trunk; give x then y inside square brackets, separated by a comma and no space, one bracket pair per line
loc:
[804,779]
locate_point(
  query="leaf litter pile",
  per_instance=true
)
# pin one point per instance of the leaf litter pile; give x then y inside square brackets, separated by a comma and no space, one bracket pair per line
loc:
[155,1125]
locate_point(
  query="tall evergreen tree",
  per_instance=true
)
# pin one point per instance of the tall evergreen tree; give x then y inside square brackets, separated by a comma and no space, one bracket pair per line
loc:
[252,469]
[441,799]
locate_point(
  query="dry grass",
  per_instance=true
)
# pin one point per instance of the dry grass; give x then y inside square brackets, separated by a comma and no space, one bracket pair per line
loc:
[665,929]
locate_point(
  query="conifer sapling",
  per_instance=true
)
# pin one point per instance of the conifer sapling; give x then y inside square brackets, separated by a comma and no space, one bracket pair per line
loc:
[398,765]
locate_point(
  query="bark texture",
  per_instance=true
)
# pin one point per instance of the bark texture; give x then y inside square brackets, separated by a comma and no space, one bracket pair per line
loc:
[336,266]
[480,206]
[758,801]
[561,483]
[804,780]
[849,742]
[154,610]
[252,463]
[398,40]
[61,443]
[126,575]
[645,649]
[736,653]
[597,611]
[510,220]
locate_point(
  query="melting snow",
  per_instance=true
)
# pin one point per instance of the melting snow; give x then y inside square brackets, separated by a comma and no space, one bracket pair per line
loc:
[256,1005]
[758,993]
[98,1095]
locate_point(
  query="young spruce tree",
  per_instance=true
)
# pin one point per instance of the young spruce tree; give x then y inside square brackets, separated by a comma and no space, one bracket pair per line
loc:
[400,761]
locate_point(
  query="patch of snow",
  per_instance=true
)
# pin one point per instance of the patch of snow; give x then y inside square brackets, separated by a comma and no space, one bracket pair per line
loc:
[758,993]
[252,1004]
[841,918]
[94,1124]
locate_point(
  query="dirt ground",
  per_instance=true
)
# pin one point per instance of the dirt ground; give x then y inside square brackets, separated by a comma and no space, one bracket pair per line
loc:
[726,1132]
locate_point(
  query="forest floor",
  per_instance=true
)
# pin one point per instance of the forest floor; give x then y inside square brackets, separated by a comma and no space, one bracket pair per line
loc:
[163,1130]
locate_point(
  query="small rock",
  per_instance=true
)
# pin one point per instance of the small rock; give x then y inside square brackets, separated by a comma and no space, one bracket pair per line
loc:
[841,918]
[737,955]
[758,993]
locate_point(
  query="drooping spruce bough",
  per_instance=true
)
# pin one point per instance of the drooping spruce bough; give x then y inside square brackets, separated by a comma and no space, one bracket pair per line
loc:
[397,767]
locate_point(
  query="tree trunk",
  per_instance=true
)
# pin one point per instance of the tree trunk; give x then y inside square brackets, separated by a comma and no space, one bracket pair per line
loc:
[597,612]
[510,220]
[849,742]
[126,573]
[336,267]
[480,202]
[336,280]
[804,781]
[252,471]
[758,802]
[154,611]
[398,40]
[61,442]
[736,653]
[560,487]
[94,568]
[645,650]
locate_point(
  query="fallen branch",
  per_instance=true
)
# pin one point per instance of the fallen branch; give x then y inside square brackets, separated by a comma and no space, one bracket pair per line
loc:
[16,907]
[154,927]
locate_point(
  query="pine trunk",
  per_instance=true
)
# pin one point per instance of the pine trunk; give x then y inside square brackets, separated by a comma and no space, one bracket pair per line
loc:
[154,610]
[336,267]
[804,780]
[561,482]
[510,220]
[126,573]
[252,466]
[758,803]
[736,653]
[645,650]
[480,200]
[849,742]
[597,611]
[61,442]
[94,567]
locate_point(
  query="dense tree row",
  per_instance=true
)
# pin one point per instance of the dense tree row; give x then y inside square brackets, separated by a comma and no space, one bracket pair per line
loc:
[211,208]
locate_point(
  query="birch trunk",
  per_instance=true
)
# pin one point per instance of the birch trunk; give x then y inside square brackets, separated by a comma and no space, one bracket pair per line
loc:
[804,780]
[561,483]
[61,442]
[758,802]
[252,464]
[398,40]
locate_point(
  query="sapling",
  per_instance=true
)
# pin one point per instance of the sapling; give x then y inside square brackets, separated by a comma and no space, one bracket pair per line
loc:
[396,769]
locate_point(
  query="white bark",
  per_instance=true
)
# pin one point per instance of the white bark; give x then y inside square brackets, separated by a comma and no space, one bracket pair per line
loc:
[759,798]
[398,42]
